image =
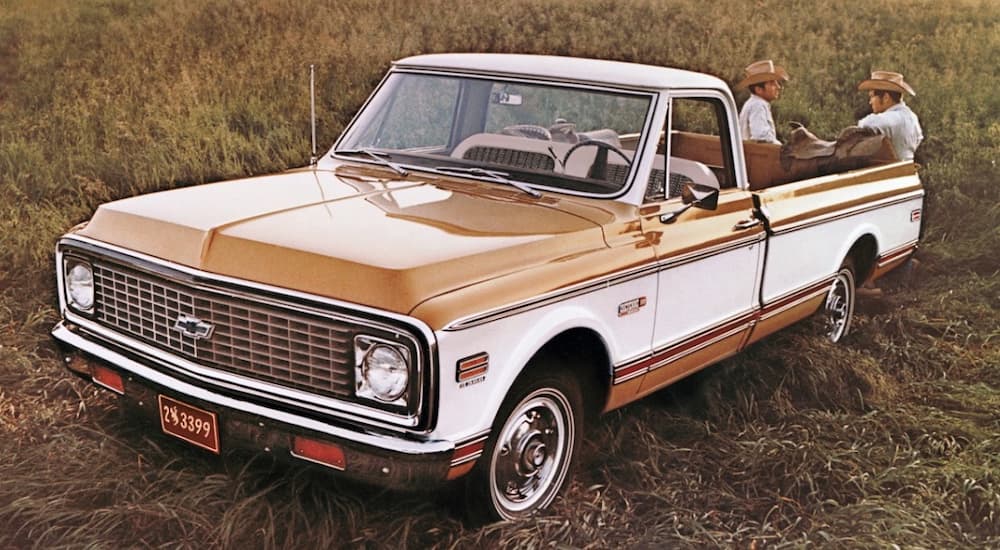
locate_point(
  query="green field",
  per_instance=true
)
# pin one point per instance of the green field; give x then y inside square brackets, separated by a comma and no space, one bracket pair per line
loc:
[892,438]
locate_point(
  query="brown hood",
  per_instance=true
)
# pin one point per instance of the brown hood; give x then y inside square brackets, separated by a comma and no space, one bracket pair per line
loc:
[354,235]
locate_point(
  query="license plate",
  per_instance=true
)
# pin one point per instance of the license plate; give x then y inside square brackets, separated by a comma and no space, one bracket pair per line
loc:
[196,426]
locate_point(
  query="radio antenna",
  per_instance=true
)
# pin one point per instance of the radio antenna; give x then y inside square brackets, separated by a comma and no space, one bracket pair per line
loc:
[312,110]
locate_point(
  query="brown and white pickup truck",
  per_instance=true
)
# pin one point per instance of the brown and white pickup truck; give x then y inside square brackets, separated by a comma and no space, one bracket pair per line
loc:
[497,248]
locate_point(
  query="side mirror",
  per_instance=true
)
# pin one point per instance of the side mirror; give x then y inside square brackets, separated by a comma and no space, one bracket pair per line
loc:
[693,194]
[702,196]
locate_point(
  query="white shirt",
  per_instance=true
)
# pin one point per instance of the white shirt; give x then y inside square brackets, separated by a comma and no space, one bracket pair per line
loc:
[756,122]
[900,125]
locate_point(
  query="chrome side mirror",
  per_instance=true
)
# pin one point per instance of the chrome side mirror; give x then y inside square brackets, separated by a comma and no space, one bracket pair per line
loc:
[693,194]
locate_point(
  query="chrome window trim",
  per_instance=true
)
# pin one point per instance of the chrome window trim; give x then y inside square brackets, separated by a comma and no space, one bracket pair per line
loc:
[740,172]
[424,367]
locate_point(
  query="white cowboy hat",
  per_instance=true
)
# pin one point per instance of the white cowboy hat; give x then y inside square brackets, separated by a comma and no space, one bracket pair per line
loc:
[762,71]
[886,80]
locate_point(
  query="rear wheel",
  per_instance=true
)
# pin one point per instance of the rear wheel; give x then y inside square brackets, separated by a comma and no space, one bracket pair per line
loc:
[839,307]
[535,439]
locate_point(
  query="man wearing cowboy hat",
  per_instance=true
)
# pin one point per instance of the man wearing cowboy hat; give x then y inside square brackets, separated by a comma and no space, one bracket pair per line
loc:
[890,116]
[764,80]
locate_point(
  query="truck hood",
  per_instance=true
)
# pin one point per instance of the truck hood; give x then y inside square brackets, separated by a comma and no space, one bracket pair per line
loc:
[353,234]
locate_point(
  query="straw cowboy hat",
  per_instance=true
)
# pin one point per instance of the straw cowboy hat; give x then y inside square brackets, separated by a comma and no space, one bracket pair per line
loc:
[886,80]
[762,71]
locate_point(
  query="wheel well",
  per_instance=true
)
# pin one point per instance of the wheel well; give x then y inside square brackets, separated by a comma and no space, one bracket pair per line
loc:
[863,253]
[582,352]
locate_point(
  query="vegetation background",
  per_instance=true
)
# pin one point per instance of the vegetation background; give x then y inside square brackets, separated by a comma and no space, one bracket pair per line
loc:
[891,439]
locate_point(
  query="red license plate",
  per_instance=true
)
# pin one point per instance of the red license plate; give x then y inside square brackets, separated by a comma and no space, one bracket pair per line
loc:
[196,426]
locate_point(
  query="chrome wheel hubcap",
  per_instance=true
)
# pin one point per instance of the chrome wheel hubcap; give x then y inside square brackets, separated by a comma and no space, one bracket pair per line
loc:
[838,307]
[532,451]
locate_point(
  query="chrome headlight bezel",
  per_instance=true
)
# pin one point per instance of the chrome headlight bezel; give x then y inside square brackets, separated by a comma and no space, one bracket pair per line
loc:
[383,371]
[78,284]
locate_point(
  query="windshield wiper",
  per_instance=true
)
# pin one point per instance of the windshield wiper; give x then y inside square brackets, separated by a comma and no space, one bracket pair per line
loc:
[377,156]
[494,175]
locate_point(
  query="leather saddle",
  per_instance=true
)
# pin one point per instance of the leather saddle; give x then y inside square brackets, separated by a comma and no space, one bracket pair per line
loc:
[805,155]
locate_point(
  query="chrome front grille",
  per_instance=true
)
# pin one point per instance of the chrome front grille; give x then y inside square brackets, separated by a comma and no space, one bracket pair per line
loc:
[264,342]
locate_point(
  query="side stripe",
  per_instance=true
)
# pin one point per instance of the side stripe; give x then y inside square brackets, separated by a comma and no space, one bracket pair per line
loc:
[683,348]
[595,285]
[660,265]
[687,346]
[788,301]
[834,216]
[897,254]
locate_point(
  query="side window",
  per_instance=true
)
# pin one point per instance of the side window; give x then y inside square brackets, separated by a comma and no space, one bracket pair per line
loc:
[700,151]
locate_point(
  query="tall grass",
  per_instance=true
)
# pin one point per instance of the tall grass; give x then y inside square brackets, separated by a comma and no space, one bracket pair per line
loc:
[888,440]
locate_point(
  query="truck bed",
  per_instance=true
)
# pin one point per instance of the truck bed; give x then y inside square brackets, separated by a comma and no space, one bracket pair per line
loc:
[764,166]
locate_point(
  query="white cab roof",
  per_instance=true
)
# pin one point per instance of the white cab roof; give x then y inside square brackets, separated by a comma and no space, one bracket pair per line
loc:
[597,71]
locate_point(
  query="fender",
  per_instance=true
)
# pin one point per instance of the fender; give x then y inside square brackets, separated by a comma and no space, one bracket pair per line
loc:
[852,238]
[472,409]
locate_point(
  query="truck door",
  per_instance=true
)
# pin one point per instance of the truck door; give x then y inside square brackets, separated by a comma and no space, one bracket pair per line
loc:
[708,261]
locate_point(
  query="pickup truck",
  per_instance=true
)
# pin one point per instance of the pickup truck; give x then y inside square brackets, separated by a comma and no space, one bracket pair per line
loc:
[496,249]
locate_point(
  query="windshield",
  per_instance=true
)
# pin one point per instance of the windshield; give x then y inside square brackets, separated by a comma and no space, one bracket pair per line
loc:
[550,136]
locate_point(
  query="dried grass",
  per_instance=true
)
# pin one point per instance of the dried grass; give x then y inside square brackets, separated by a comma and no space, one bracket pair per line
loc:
[888,441]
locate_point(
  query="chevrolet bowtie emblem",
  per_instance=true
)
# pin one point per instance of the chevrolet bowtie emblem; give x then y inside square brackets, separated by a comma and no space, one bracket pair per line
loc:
[193,327]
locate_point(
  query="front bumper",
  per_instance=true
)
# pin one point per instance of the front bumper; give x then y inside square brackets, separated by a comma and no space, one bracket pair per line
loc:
[382,458]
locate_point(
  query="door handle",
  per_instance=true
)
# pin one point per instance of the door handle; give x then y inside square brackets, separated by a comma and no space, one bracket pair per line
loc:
[746,224]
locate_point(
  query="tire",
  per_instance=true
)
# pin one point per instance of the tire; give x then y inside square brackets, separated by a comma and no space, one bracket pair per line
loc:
[838,310]
[534,441]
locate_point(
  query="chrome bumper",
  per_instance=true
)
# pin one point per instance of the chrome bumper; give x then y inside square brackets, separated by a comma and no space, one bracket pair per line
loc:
[373,457]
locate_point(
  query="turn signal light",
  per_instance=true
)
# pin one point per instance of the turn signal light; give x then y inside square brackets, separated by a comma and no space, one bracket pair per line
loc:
[320,452]
[108,378]
[472,367]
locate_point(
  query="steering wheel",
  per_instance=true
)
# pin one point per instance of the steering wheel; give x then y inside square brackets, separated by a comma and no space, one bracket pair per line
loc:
[598,170]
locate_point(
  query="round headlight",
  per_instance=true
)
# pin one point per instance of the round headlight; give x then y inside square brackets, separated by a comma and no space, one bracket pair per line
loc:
[386,373]
[80,286]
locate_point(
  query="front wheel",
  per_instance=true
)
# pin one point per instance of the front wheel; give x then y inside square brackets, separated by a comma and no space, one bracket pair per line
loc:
[839,307]
[535,439]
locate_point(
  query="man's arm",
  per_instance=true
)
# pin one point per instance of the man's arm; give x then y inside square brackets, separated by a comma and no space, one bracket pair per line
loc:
[876,121]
